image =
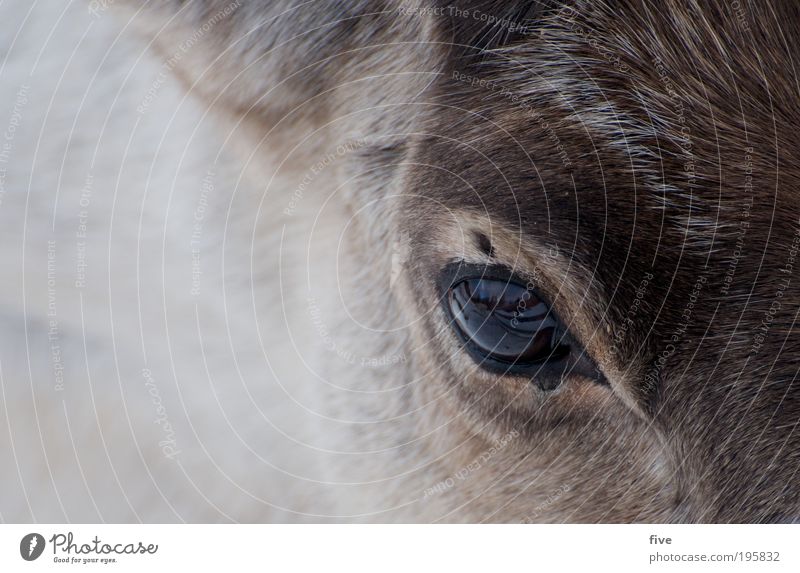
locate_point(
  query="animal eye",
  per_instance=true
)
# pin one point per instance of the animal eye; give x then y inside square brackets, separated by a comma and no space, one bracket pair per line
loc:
[505,321]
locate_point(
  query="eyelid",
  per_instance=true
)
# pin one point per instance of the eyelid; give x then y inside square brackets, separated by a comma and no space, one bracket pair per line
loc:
[459,270]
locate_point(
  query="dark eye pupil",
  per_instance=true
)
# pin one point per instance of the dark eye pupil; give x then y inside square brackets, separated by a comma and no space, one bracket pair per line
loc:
[505,320]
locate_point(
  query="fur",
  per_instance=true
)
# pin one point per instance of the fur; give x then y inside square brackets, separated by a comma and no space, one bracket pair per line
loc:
[224,226]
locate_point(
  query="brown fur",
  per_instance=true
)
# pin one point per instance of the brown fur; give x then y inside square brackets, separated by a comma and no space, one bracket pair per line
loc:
[710,434]
[604,149]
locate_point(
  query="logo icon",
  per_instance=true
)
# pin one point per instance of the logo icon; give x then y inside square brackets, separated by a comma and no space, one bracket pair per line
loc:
[31,546]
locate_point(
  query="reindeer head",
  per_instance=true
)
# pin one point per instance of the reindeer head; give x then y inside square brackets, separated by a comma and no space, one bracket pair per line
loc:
[555,260]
